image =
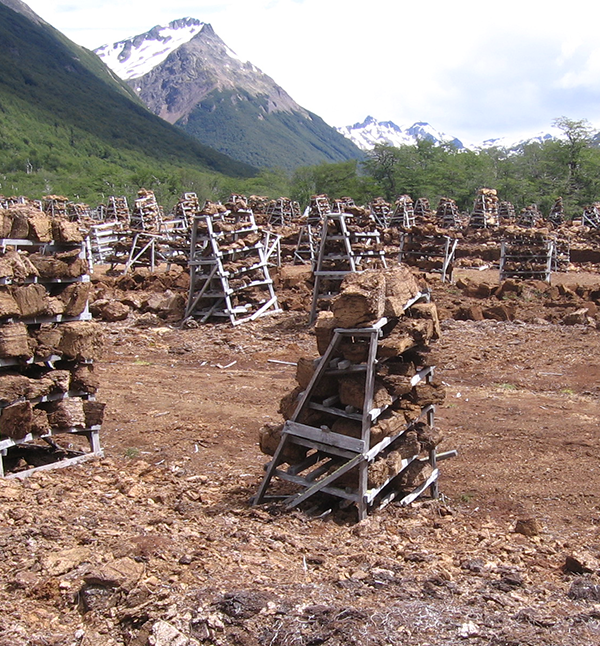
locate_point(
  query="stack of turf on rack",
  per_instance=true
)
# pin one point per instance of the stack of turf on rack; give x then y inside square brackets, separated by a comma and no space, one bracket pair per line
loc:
[47,340]
[400,394]
[447,214]
[526,253]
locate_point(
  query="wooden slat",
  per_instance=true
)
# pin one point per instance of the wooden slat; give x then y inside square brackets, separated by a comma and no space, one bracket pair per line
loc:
[327,449]
[371,494]
[338,412]
[59,464]
[421,488]
[294,501]
[424,373]
[362,331]
[326,438]
[334,491]
[411,497]
[311,460]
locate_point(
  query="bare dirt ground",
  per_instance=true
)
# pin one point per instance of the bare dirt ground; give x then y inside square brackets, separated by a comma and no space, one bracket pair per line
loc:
[157,543]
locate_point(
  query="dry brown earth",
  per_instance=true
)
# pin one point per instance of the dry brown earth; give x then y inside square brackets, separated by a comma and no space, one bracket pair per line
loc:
[157,544]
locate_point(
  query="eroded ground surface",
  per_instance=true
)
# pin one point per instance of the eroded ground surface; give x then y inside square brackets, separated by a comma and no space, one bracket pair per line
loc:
[157,543]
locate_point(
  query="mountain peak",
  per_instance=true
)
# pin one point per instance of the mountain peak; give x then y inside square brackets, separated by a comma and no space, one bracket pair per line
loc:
[173,68]
[371,132]
[512,143]
[136,56]
[367,122]
[23,9]
[187,75]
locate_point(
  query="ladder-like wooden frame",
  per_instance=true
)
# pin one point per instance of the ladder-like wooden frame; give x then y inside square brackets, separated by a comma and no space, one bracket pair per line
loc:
[360,250]
[331,454]
[591,216]
[306,247]
[447,214]
[527,259]
[210,279]
[404,213]
[444,248]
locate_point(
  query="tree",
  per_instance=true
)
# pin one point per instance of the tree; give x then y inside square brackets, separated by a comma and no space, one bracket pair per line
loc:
[578,134]
[335,180]
[382,164]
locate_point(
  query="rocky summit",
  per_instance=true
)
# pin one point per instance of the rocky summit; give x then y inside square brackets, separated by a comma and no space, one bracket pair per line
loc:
[188,76]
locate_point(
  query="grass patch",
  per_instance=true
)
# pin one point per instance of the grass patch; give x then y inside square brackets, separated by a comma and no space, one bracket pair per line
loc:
[507,386]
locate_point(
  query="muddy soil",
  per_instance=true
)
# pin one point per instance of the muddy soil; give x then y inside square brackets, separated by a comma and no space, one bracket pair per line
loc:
[157,543]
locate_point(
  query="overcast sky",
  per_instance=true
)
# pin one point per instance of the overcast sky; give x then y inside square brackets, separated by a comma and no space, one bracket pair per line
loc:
[472,69]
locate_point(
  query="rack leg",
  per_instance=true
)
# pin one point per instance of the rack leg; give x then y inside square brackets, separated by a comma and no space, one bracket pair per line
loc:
[434,489]
[258,498]
[94,440]
[362,490]
[315,298]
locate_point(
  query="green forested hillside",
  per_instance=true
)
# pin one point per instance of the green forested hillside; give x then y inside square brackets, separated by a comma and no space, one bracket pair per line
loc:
[68,126]
[240,125]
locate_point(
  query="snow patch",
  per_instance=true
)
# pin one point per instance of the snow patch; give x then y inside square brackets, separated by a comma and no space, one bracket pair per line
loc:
[371,132]
[136,56]
[510,142]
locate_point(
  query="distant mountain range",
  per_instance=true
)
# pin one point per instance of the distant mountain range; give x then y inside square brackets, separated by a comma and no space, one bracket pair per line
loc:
[371,132]
[510,143]
[187,75]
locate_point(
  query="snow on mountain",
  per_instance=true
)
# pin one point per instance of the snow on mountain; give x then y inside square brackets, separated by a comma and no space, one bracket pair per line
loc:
[174,68]
[510,142]
[187,75]
[370,132]
[422,130]
[136,56]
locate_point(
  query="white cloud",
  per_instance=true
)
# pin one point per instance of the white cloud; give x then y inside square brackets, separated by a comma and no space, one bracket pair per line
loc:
[472,69]
[586,75]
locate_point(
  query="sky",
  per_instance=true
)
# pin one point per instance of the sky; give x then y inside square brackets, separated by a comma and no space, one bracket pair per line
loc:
[470,68]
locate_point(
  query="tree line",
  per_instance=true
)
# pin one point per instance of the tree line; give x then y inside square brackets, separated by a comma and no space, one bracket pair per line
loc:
[533,173]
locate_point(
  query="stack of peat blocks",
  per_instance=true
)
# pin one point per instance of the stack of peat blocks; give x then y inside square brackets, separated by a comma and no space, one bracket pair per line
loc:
[229,273]
[360,424]
[47,341]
